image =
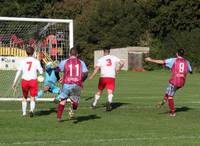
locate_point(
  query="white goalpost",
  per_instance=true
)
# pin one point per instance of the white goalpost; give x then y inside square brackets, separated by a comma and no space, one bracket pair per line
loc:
[52,37]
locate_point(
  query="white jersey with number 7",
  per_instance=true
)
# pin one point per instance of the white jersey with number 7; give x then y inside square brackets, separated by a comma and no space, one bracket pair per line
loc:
[108,65]
[29,67]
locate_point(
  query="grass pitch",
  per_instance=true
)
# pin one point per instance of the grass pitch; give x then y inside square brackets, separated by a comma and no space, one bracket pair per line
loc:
[134,121]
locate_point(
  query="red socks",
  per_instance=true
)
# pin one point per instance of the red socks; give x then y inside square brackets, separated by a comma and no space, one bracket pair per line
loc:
[171,104]
[60,111]
[74,105]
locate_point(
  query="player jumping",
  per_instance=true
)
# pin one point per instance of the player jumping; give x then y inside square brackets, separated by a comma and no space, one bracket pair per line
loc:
[179,67]
[107,64]
[75,72]
[51,77]
[28,67]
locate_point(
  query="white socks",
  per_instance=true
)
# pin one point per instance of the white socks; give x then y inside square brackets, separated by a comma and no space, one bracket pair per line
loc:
[24,105]
[110,96]
[32,106]
[96,98]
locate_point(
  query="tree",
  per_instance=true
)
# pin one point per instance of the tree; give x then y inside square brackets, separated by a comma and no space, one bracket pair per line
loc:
[21,8]
[180,15]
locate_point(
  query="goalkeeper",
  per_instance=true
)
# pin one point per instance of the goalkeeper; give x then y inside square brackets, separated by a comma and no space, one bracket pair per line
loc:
[51,77]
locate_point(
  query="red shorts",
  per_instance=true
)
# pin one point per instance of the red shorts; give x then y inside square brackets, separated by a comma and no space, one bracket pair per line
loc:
[107,82]
[29,86]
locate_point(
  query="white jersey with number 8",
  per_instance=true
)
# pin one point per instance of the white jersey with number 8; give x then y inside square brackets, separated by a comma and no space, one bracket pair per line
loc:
[108,65]
[29,67]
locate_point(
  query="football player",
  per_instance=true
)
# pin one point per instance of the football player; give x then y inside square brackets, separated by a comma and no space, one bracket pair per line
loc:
[108,66]
[75,73]
[28,68]
[179,68]
[51,78]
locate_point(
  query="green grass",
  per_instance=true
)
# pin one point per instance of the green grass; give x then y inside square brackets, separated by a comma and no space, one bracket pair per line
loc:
[134,122]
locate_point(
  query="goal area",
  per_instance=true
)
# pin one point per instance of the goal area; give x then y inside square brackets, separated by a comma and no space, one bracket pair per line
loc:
[52,38]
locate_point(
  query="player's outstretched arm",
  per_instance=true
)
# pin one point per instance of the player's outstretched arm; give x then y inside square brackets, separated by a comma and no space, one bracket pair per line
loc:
[190,68]
[121,65]
[39,68]
[16,79]
[94,72]
[148,59]
[85,75]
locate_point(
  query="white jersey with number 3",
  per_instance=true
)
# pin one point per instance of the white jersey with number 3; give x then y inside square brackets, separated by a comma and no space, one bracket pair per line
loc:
[107,65]
[29,67]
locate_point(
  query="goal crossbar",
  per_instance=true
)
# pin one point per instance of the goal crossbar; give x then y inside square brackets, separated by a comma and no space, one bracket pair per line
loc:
[36,19]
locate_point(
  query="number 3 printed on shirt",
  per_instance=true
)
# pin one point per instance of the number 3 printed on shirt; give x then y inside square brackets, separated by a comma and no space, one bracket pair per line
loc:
[109,62]
[29,65]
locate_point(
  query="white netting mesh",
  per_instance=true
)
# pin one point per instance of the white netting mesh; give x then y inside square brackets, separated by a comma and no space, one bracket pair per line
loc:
[51,38]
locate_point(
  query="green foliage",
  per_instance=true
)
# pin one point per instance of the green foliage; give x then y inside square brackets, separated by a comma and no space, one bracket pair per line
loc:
[187,40]
[175,24]
[118,23]
[67,9]
[157,51]
[21,8]
[176,15]
[164,25]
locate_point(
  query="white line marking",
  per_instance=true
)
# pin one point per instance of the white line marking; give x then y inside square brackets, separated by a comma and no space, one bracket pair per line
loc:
[183,137]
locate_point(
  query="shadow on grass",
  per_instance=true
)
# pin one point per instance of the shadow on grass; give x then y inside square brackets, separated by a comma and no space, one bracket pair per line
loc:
[178,109]
[46,112]
[85,118]
[182,109]
[89,98]
[116,105]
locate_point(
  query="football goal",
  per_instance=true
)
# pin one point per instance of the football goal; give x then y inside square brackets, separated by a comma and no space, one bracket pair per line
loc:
[51,37]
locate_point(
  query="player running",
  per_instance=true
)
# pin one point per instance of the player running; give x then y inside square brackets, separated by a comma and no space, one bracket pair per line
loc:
[51,77]
[108,66]
[28,67]
[75,73]
[179,67]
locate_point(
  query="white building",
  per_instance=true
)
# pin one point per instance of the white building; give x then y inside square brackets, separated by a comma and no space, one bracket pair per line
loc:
[132,56]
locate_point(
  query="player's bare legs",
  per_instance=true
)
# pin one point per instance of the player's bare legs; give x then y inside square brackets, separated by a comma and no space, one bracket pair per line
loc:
[108,104]
[162,102]
[24,106]
[32,106]
[96,98]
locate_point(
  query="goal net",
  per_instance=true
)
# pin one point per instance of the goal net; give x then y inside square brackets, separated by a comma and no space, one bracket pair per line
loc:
[51,37]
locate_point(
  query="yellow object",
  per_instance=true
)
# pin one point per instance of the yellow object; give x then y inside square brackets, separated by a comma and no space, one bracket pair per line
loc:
[10,51]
